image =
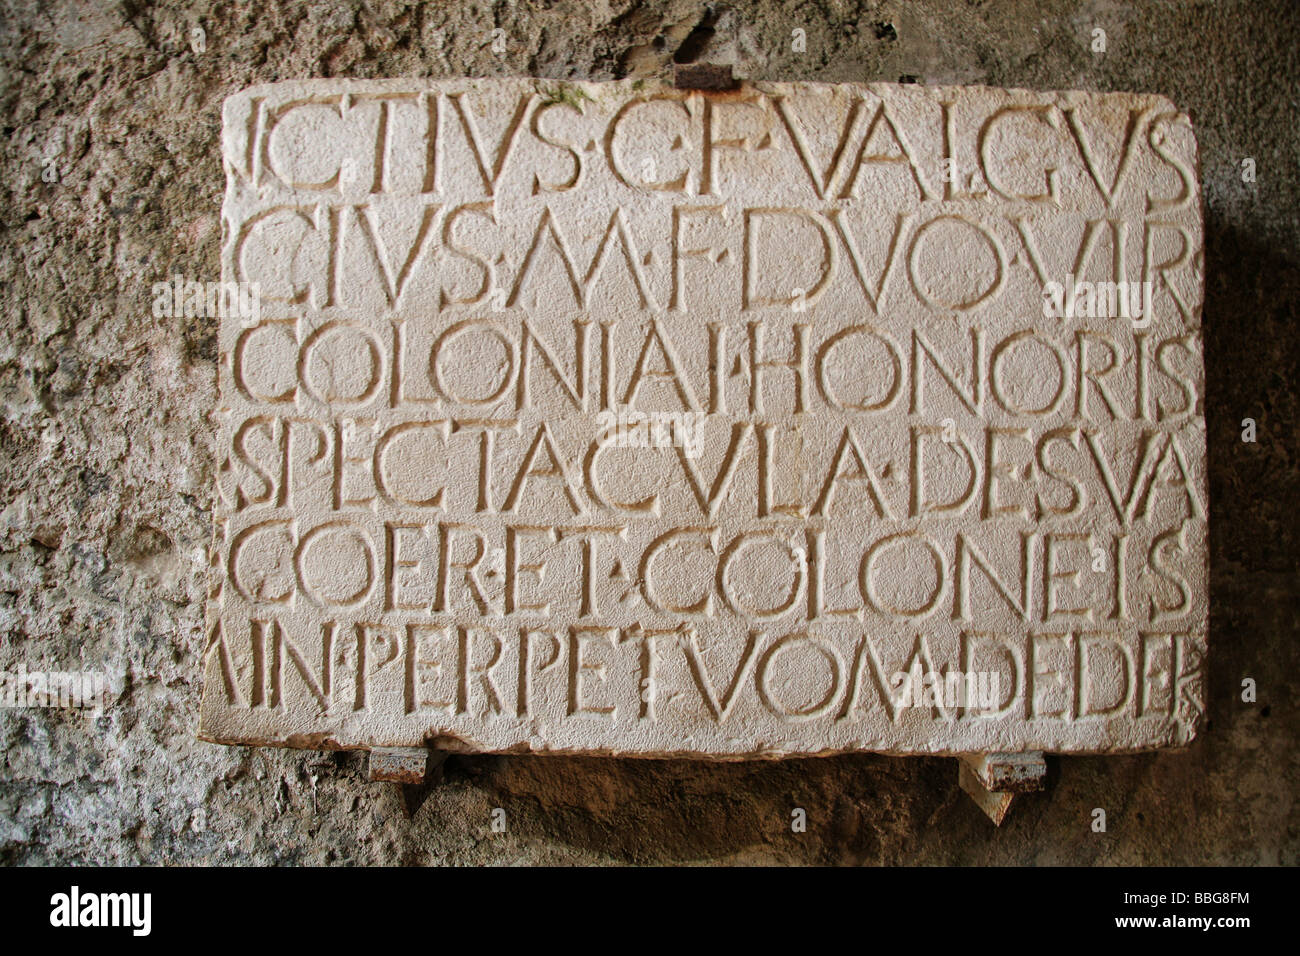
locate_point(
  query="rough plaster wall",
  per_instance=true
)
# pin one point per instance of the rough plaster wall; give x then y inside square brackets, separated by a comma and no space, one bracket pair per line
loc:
[106,448]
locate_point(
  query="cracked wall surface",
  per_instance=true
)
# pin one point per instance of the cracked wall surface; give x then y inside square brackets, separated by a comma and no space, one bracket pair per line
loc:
[113,181]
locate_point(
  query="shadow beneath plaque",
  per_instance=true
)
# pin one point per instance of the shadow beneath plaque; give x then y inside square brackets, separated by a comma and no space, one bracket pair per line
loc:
[854,808]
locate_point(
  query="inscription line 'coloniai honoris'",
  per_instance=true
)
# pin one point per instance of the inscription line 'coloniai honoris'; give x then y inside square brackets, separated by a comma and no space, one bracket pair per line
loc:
[793,419]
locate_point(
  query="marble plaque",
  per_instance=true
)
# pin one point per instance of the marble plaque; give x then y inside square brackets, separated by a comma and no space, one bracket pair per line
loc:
[794,419]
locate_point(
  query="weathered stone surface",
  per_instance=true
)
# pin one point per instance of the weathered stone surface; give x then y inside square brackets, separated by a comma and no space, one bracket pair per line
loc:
[445,516]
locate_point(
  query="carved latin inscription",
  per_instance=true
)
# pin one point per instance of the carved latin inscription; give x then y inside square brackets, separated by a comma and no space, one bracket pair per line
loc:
[795,419]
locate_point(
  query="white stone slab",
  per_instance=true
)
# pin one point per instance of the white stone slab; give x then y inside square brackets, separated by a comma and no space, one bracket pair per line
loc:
[607,418]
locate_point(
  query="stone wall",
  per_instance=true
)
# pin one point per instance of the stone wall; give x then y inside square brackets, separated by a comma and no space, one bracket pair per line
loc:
[112,181]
